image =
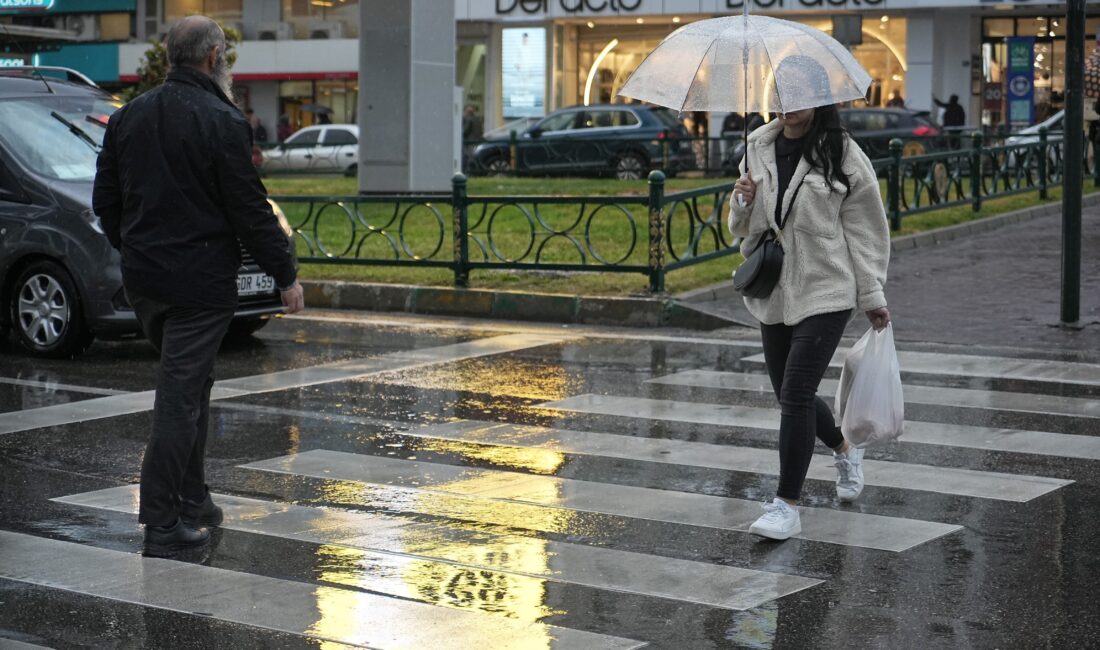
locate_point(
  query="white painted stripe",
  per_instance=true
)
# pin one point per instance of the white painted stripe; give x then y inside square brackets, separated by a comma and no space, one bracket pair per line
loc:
[914,394]
[941,480]
[12,644]
[929,433]
[934,363]
[308,610]
[818,524]
[126,404]
[57,386]
[397,543]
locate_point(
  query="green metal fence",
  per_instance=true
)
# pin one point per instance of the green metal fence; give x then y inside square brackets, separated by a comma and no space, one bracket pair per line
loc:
[652,235]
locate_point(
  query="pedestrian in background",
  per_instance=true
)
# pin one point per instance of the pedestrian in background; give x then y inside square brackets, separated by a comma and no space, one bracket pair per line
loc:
[811,184]
[954,119]
[259,132]
[177,195]
[283,130]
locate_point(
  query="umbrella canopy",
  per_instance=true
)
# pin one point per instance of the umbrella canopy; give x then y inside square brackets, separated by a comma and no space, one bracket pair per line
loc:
[315,108]
[750,64]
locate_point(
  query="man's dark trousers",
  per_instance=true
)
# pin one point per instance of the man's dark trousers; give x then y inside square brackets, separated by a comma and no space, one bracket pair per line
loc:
[187,339]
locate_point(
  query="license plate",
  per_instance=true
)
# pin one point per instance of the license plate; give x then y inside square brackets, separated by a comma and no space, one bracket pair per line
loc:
[251,284]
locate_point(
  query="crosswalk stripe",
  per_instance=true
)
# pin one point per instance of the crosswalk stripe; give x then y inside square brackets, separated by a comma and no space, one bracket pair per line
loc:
[818,524]
[397,542]
[12,644]
[942,480]
[130,403]
[309,610]
[914,394]
[932,433]
[959,365]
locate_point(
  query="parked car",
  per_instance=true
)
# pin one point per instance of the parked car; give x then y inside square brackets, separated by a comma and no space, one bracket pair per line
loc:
[874,128]
[1030,134]
[322,149]
[60,281]
[627,140]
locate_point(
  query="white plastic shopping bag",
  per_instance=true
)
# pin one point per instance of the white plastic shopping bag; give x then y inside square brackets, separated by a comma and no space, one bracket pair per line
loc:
[869,401]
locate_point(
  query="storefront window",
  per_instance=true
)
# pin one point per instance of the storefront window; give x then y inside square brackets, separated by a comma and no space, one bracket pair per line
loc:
[1049,62]
[330,101]
[322,18]
[223,10]
[999,27]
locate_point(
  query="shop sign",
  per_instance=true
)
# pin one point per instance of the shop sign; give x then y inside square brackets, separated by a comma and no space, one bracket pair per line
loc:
[805,4]
[568,6]
[1020,81]
[26,4]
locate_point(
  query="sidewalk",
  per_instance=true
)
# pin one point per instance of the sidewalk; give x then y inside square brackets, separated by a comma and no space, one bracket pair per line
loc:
[999,288]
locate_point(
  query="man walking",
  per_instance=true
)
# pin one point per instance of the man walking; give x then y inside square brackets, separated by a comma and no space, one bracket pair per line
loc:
[177,195]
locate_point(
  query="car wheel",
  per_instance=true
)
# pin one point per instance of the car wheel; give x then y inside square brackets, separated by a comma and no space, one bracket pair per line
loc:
[914,148]
[46,312]
[352,171]
[499,167]
[630,167]
[241,328]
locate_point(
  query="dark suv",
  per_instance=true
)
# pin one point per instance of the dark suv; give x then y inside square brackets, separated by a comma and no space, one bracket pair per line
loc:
[60,282]
[626,140]
[874,128]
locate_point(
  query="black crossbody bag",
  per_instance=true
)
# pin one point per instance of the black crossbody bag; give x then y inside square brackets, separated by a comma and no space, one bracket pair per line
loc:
[759,273]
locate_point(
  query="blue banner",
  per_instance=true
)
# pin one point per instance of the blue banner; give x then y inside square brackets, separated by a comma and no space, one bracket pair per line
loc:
[29,5]
[1020,81]
[9,7]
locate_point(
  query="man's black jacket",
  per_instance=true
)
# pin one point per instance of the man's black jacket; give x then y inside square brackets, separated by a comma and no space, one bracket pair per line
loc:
[176,189]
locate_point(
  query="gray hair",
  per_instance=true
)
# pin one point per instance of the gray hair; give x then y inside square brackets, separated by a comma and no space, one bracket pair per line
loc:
[190,40]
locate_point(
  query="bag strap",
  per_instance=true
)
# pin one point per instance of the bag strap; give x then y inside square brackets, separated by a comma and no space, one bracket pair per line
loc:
[790,206]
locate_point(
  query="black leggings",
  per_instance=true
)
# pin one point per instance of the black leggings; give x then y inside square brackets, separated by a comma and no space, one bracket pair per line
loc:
[797,357]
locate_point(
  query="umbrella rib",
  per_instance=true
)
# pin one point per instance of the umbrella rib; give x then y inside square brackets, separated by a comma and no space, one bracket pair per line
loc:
[695,76]
[833,54]
[771,64]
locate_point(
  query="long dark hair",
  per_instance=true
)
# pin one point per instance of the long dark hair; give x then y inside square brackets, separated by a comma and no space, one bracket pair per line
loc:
[824,145]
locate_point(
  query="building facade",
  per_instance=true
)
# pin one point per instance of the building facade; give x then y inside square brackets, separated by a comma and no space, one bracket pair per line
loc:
[519,59]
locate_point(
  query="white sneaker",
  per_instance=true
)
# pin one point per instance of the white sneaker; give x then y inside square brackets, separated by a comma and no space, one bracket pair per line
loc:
[849,470]
[779,521]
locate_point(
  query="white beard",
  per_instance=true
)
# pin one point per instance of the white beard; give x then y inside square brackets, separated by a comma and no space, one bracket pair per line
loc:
[223,78]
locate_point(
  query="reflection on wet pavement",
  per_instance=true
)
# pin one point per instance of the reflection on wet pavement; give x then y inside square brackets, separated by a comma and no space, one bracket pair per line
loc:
[408,486]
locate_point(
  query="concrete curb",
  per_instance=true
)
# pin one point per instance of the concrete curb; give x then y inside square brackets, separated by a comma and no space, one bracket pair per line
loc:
[510,305]
[688,310]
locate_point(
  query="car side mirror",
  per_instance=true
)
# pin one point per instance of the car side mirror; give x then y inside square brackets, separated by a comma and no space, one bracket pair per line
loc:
[535,132]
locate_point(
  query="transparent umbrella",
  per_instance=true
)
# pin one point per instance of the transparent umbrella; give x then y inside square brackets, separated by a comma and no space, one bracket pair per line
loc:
[750,64]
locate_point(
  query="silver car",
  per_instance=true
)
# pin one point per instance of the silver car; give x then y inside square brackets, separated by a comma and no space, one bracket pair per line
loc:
[323,149]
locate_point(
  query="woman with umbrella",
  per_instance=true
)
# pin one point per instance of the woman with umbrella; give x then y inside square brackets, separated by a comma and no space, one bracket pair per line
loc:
[810,176]
[808,195]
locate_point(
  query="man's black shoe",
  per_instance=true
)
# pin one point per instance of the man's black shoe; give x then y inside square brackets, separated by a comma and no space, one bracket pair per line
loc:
[200,514]
[167,541]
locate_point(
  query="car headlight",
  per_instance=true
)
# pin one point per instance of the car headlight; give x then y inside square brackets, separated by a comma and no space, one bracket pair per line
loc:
[281,218]
[93,221]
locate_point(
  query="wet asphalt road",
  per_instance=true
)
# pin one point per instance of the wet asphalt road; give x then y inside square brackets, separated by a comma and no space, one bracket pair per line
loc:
[361,495]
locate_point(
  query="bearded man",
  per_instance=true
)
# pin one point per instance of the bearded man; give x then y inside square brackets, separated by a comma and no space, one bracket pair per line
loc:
[177,195]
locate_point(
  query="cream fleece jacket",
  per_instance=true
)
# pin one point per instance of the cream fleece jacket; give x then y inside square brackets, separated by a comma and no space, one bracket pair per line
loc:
[836,247]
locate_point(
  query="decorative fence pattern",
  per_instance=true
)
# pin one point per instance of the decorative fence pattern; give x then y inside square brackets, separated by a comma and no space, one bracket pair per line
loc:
[652,235]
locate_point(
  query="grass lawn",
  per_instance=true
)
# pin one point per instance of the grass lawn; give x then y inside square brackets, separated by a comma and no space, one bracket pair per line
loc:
[428,228]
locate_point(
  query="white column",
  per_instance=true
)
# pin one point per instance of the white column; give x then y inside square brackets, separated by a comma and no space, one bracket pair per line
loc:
[920,50]
[406,93]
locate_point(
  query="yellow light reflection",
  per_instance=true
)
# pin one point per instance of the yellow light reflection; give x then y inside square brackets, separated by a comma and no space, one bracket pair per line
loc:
[512,377]
[541,461]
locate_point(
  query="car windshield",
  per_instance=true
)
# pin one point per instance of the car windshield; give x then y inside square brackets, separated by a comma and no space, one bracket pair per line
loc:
[39,132]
